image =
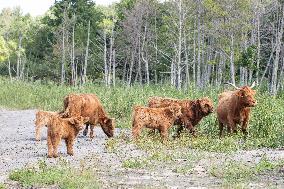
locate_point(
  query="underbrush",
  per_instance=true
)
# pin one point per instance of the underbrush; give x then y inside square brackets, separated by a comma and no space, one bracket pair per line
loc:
[265,127]
[62,176]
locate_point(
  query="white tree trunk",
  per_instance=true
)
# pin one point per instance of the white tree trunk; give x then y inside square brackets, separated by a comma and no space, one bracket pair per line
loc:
[63,57]
[232,66]
[105,60]
[279,35]
[86,54]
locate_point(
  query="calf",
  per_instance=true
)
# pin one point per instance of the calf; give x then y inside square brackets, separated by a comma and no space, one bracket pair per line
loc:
[42,119]
[234,108]
[192,110]
[63,128]
[154,118]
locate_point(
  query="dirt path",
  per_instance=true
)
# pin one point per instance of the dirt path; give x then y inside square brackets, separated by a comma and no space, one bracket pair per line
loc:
[18,148]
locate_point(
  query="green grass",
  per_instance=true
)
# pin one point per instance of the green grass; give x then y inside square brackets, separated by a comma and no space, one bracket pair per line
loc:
[62,176]
[265,127]
[2,186]
[239,172]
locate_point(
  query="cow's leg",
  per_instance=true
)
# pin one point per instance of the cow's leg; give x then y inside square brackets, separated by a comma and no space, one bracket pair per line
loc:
[92,131]
[49,147]
[37,131]
[231,125]
[164,133]
[179,130]
[191,129]
[244,127]
[55,143]
[85,132]
[221,127]
[136,129]
[69,144]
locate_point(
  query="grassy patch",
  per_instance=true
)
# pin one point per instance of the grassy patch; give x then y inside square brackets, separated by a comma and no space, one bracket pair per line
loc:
[239,172]
[62,176]
[265,127]
[2,186]
[135,163]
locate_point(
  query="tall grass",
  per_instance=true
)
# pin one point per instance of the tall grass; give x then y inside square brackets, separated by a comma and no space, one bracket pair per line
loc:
[266,127]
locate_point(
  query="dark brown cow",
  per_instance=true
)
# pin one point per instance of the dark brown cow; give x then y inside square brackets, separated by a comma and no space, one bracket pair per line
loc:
[88,105]
[154,118]
[234,108]
[192,110]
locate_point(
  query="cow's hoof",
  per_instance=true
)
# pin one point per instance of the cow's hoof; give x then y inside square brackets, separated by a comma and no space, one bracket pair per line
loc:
[71,154]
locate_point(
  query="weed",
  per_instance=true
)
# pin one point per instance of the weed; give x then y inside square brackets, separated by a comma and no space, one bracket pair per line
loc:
[239,172]
[2,186]
[134,163]
[62,176]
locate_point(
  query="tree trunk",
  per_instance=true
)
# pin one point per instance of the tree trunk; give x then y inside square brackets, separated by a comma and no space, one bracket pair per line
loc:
[258,48]
[131,68]
[19,56]
[86,54]
[9,68]
[113,68]
[73,81]
[63,57]
[179,47]
[279,35]
[232,66]
[105,60]
[198,74]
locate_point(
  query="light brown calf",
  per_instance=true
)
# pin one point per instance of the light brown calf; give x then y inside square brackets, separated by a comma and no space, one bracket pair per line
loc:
[63,128]
[42,119]
[192,110]
[154,118]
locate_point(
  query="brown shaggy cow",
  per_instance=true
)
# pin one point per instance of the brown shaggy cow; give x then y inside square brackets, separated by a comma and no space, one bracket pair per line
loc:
[88,105]
[154,118]
[63,128]
[42,119]
[192,110]
[234,108]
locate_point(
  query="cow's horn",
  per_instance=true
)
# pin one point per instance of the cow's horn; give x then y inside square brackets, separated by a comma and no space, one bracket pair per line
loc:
[232,85]
[253,85]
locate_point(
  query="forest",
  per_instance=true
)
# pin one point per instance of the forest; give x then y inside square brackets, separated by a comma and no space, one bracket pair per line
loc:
[183,43]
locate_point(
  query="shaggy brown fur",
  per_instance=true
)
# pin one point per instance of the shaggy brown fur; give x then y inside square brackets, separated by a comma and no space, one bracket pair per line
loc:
[42,119]
[63,128]
[234,108]
[192,110]
[154,118]
[88,105]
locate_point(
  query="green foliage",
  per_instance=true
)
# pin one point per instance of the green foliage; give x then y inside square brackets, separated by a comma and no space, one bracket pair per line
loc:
[62,176]
[3,49]
[248,57]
